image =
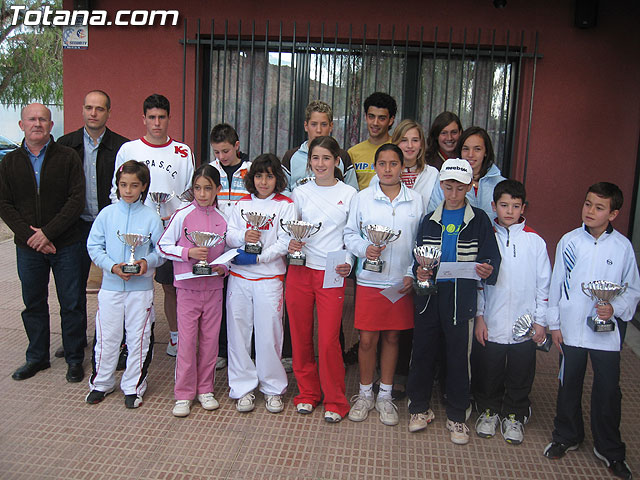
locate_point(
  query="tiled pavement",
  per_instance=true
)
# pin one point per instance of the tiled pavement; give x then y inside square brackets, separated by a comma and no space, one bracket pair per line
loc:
[47,431]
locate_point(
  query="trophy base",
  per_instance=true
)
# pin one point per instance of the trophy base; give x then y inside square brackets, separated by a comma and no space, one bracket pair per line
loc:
[202,270]
[131,268]
[296,260]
[607,326]
[253,248]
[373,266]
[545,346]
[426,289]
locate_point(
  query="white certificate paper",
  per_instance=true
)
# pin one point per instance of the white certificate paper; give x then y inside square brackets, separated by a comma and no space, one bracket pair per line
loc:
[457,270]
[224,258]
[331,278]
[184,276]
[393,292]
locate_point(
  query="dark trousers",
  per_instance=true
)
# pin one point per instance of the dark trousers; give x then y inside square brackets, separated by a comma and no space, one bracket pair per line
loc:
[605,401]
[34,269]
[85,267]
[433,327]
[503,376]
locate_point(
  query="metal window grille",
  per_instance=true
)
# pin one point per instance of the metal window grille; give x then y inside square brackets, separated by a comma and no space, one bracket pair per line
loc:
[261,84]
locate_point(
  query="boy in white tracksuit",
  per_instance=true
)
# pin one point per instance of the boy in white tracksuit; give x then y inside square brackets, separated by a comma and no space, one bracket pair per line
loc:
[594,251]
[503,368]
[255,289]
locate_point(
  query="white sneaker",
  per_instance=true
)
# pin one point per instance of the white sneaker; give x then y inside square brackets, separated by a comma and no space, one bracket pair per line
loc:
[274,403]
[332,417]
[459,432]
[246,403]
[221,363]
[486,424]
[419,421]
[172,348]
[360,408]
[208,401]
[388,411]
[304,408]
[182,408]
[512,430]
[287,363]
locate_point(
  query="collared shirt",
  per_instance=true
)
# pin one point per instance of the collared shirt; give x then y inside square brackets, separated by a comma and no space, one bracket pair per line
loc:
[90,157]
[36,161]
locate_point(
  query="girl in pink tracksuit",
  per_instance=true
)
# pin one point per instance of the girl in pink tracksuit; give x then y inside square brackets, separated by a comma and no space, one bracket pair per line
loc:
[199,297]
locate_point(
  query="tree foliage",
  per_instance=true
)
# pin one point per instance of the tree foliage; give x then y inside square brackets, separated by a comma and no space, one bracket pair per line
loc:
[30,57]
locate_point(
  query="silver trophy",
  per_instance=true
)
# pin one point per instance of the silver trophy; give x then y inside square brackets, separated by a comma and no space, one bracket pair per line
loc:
[160,198]
[186,196]
[132,240]
[523,328]
[256,221]
[428,257]
[603,291]
[304,180]
[380,236]
[299,230]
[203,239]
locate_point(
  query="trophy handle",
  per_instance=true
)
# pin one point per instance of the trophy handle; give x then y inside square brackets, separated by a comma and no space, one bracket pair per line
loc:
[586,291]
[284,228]
[396,236]
[317,227]
[623,289]
[187,236]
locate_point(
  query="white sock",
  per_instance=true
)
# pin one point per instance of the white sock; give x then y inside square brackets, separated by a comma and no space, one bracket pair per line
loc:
[385,390]
[366,390]
[174,337]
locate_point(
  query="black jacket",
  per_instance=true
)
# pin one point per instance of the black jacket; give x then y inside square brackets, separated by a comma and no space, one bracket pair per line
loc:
[55,207]
[476,243]
[107,151]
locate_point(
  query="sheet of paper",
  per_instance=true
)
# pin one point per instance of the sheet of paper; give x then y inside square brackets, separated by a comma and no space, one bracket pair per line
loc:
[224,258]
[393,293]
[184,276]
[457,270]
[561,371]
[331,278]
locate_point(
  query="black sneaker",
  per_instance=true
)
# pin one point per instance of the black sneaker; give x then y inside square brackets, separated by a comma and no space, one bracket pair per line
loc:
[351,357]
[557,450]
[122,359]
[96,396]
[132,401]
[618,467]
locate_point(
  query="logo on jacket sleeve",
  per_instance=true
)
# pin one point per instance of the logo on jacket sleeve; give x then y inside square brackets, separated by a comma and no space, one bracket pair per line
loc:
[183,152]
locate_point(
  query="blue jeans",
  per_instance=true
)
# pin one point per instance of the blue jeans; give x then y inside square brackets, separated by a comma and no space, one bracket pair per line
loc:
[34,270]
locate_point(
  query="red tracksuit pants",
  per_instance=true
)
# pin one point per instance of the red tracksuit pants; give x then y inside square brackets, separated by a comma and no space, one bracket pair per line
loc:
[304,289]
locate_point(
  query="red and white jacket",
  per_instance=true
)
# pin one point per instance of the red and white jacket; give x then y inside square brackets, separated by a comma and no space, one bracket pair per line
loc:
[274,239]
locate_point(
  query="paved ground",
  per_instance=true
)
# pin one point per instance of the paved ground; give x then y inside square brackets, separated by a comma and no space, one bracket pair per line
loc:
[47,431]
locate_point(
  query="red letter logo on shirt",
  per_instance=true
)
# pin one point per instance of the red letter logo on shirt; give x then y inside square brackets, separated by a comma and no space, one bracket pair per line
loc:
[181,151]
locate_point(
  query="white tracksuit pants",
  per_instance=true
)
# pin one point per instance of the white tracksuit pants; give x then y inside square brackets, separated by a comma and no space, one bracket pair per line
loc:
[255,304]
[133,312]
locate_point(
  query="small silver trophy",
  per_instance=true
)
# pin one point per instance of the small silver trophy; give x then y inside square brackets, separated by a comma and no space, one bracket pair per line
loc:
[299,230]
[304,180]
[203,239]
[256,221]
[428,257]
[186,196]
[160,198]
[132,240]
[523,328]
[380,236]
[603,291]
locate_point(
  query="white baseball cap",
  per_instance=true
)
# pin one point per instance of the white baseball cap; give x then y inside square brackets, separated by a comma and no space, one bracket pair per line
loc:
[456,169]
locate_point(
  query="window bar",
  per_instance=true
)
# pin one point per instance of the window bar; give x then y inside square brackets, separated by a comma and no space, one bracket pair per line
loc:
[347,118]
[475,79]
[251,68]
[209,113]
[319,56]
[514,100]
[293,85]
[275,147]
[184,75]
[446,77]
[237,116]
[363,69]
[264,86]
[196,104]
[533,86]
[433,77]
[377,61]
[335,56]
[406,63]
[462,72]
[490,89]
[504,84]
[224,68]
[393,35]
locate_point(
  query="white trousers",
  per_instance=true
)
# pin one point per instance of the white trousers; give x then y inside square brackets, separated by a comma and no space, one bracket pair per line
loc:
[132,312]
[255,305]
